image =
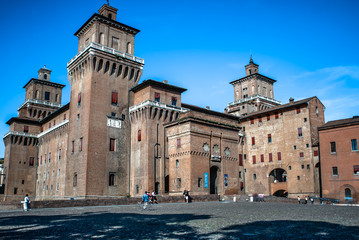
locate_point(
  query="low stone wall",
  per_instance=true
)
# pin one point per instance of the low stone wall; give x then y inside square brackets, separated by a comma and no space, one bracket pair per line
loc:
[104,202]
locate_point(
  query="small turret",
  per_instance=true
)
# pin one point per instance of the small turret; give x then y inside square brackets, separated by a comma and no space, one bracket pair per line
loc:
[44,74]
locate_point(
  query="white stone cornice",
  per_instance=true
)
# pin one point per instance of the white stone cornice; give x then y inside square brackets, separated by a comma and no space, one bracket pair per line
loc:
[23,134]
[53,128]
[159,105]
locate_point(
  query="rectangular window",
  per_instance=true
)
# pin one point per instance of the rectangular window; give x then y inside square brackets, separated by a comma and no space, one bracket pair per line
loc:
[253,141]
[279,154]
[244,156]
[262,157]
[356,169]
[252,121]
[54,122]
[316,153]
[298,110]
[333,148]
[254,176]
[254,159]
[276,115]
[26,129]
[31,161]
[114,98]
[300,133]
[174,101]
[15,190]
[72,146]
[49,125]
[270,157]
[65,116]
[80,147]
[268,117]
[112,144]
[354,145]
[260,119]
[178,142]
[49,157]
[157,97]
[111,179]
[79,100]
[301,154]
[139,135]
[269,138]
[335,171]
[240,160]
[200,182]
[47,96]
[59,154]
[240,174]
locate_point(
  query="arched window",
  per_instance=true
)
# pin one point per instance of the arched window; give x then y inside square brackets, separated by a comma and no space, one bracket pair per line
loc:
[316,111]
[45,76]
[102,38]
[75,180]
[110,16]
[177,163]
[128,49]
[111,179]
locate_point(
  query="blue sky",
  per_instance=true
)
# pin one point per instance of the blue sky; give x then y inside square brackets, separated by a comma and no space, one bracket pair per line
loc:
[310,47]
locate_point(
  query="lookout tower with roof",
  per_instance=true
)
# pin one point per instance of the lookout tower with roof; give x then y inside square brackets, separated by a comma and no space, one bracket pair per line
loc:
[101,75]
[254,92]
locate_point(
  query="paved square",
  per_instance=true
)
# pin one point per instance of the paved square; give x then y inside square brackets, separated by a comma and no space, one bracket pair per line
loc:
[208,220]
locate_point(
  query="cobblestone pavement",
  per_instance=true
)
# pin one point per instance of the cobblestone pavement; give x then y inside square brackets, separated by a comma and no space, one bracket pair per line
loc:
[206,220]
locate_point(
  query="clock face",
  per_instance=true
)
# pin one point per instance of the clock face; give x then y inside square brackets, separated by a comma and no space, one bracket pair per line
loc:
[216,149]
[206,147]
[227,152]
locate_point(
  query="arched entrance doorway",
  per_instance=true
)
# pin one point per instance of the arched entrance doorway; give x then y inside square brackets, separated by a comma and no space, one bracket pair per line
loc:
[281,193]
[278,182]
[347,194]
[214,173]
[278,175]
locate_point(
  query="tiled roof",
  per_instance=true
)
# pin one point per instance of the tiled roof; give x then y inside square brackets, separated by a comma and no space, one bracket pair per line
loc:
[340,123]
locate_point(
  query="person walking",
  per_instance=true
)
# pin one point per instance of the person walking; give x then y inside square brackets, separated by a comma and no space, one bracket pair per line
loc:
[312,200]
[145,200]
[298,199]
[26,203]
[186,196]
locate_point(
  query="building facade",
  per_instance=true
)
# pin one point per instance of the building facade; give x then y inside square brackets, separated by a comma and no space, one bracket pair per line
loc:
[118,137]
[339,156]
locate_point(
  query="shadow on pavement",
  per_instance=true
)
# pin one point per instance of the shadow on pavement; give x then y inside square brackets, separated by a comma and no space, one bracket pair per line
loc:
[288,230]
[105,225]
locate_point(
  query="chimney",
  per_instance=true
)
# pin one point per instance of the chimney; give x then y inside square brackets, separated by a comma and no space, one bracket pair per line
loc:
[208,108]
[165,81]
[291,100]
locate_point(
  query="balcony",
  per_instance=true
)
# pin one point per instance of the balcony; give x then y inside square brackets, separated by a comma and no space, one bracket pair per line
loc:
[254,97]
[108,50]
[46,103]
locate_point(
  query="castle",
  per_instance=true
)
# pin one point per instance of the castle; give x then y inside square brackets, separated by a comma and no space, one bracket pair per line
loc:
[119,137]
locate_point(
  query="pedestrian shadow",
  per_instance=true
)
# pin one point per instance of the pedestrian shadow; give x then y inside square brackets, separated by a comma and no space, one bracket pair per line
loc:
[103,225]
[281,229]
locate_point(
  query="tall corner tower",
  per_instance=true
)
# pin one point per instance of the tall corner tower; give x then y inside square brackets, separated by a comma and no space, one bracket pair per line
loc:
[42,98]
[252,93]
[101,75]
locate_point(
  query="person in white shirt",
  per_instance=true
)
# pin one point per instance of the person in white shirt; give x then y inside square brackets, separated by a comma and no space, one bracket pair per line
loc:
[26,203]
